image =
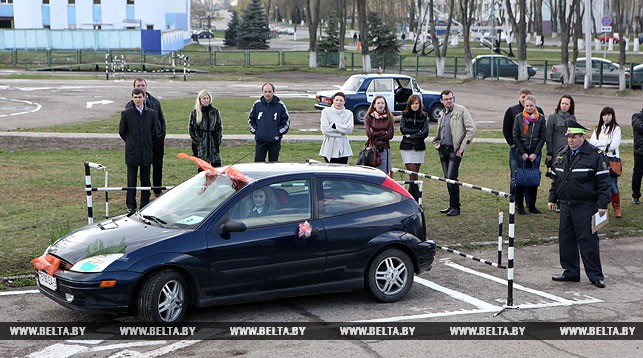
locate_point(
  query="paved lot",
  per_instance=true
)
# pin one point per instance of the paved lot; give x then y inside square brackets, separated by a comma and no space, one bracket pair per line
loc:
[456,290]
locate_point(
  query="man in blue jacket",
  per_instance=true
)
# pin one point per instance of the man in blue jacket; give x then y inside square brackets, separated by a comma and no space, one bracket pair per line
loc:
[269,121]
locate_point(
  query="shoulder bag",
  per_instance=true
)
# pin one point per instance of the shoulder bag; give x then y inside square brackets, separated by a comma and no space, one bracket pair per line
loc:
[616,166]
[369,156]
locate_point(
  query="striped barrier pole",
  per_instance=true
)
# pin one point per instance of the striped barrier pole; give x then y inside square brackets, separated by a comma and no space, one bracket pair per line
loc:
[500,221]
[512,211]
[475,258]
[88,185]
[107,66]
[124,188]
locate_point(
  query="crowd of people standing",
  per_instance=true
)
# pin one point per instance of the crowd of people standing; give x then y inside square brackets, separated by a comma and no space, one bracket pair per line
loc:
[584,172]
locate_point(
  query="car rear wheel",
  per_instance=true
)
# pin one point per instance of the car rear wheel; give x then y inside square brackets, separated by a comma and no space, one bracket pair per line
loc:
[360,114]
[434,111]
[390,276]
[163,298]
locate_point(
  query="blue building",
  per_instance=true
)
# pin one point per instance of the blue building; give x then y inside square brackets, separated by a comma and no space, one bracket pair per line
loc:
[150,25]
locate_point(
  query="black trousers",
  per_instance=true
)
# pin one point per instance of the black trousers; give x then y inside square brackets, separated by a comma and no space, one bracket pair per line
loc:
[270,148]
[158,151]
[451,167]
[574,234]
[132,173]
[637,175]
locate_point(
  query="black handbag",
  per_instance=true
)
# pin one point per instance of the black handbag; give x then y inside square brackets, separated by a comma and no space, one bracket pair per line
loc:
[527,176]
[369,156]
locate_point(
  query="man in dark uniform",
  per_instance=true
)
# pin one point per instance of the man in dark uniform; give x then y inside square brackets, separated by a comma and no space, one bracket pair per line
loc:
[581,183]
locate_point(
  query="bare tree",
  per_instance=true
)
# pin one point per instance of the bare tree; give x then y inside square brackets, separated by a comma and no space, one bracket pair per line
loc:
[538,18]
[363,30]
[440,56]
[341,14]
[566,15]
[519,27]
[467,16]
[620,25]
[313,23]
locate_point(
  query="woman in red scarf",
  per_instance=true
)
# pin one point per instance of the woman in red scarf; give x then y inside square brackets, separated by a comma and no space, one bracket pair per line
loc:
[530,134]
[379,130]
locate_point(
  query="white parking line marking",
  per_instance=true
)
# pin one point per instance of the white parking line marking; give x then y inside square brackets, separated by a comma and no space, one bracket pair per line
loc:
[127,345]
[457,295]
[59,350]
[549,296]
[11,293]
[158,352]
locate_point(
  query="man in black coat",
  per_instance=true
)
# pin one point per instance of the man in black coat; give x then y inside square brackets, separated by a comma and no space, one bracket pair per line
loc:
[637,174]
[138,128]
[158,146]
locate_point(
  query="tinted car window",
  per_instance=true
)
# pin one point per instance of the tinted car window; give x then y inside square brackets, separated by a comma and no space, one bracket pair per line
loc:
[344,196]
[275,204]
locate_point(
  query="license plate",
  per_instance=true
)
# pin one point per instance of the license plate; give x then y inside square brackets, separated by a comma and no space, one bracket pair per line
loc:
[47,281]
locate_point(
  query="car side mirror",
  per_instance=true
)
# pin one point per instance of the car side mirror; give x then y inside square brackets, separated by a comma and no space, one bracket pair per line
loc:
[233,226]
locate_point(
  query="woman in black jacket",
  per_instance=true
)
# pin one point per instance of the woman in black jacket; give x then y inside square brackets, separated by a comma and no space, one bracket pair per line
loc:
[414,126]
[530,135]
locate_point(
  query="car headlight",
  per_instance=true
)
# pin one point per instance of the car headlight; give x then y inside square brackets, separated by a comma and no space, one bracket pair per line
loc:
[95,263]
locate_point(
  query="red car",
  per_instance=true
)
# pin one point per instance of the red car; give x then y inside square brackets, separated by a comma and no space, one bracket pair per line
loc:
[604,38]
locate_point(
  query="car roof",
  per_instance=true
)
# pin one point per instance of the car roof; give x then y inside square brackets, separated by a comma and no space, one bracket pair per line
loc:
[265,170]
[373,75]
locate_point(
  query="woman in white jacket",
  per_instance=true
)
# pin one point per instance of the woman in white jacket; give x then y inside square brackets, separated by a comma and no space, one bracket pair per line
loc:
[336,125]
[607,137]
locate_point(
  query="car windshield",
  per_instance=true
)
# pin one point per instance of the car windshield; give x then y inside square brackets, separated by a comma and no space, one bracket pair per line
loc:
[190,202]
[352,84]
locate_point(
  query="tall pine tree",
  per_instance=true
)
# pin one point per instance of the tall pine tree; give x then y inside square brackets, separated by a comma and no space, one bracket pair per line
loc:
[253,33]
[330,42]
[230,34]
[383,40]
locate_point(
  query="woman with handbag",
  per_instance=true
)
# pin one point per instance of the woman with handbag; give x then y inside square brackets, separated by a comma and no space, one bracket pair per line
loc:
[336,125]
[607,137]
[529,136]
[379,131]
[414,126]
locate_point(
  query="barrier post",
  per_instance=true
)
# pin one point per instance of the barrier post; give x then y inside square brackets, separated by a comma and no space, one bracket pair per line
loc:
[88,185]
[500,220]
[107,66]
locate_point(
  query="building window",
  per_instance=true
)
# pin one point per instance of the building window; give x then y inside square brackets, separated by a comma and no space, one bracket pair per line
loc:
[71,2]
[45,2]
[130,2]
[96,2]
[6,1]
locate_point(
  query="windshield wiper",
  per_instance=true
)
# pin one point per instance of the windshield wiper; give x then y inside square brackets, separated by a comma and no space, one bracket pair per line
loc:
[154,218]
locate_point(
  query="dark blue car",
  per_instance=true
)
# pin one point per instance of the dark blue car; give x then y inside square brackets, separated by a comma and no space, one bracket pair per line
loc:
[253,232]
[360,90]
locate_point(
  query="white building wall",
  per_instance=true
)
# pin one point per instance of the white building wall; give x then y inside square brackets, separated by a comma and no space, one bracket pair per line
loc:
[58,14]
[152,12]
[27,14]
[113,14]
[84,14]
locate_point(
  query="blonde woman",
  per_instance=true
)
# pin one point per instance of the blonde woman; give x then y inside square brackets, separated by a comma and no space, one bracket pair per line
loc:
[205,129]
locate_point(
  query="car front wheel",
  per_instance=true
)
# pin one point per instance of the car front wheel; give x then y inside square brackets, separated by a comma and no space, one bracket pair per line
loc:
[163,298]
[480,76]
[390,276]
[434,112]
[360,114]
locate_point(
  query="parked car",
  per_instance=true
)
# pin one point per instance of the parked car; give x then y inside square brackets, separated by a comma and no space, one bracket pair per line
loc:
[610,71]
[503,66]
[323,228]
[361,89]
[637,77]
[605,38]
[203,34]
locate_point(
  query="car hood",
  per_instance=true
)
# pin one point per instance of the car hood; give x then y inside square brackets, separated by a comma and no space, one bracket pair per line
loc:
[118,235]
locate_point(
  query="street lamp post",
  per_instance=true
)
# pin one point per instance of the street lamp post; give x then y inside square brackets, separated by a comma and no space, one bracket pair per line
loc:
[276,13]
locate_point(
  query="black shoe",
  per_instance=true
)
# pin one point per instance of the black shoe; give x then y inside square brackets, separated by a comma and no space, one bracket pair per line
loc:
[446,211]
[520,210]
[534,210]
[599,283]
[454,212]
[130,210]
[636,201]
[563,278]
